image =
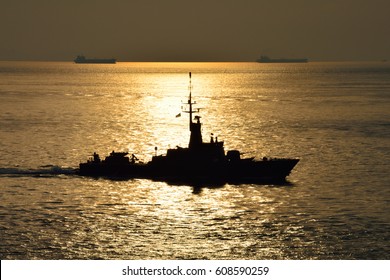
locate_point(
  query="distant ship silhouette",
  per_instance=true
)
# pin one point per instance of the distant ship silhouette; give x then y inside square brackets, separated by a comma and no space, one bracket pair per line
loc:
[266,59]
[83,59]
[200,161]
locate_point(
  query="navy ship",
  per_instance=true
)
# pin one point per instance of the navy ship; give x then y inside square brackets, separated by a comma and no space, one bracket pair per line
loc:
[83,59]
[266,59]
[200,161]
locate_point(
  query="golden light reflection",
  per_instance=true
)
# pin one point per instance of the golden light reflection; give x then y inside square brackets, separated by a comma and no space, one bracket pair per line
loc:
[208,221]
[160,220]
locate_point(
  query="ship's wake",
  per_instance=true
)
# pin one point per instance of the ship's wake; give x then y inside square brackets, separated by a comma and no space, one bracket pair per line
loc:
[41,171]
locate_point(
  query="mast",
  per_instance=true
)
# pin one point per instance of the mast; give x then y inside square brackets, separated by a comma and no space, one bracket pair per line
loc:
[195,127]
[190,101]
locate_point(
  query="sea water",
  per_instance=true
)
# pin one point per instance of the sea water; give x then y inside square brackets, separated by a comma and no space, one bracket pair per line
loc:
[334,117]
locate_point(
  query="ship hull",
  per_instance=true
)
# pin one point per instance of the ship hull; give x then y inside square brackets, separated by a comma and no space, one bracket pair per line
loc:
[301,60]
[96,61]
[102,169]
[275,170]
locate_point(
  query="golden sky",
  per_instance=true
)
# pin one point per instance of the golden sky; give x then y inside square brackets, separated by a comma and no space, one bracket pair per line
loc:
[201,30]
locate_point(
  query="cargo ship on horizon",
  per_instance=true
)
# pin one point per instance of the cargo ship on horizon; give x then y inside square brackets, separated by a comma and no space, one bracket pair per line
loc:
[83,59]
[267,59]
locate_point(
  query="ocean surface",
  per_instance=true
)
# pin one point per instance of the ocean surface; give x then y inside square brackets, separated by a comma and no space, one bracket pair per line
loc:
[335,117]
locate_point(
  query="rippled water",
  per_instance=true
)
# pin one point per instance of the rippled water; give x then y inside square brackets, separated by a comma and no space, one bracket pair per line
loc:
[334,116]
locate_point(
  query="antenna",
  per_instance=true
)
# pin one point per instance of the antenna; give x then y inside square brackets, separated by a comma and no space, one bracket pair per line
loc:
[189,99]
[195,128]
[190,103]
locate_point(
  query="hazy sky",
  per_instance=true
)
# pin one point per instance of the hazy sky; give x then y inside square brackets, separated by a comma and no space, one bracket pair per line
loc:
[197,30]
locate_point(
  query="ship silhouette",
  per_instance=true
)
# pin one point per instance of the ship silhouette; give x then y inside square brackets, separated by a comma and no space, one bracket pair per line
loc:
[80,59]
[267,59]
[199,162]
